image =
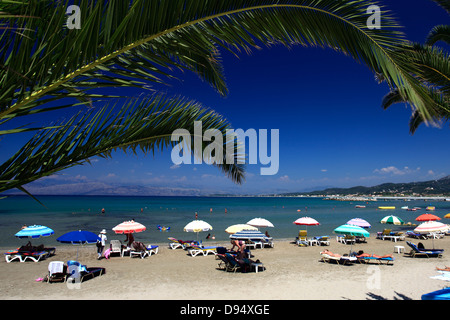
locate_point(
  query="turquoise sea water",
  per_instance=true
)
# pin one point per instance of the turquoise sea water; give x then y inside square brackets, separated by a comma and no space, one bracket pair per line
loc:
[69,213]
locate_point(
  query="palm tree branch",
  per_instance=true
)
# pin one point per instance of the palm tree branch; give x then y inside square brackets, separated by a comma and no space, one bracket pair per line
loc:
[111,56]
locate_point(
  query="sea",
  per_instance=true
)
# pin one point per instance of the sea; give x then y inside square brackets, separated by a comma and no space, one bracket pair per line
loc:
[69,213]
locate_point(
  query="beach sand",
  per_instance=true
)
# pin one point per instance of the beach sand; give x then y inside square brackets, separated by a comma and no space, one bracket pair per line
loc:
[292,273]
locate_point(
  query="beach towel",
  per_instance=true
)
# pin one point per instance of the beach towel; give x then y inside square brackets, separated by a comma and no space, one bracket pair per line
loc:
[107,253]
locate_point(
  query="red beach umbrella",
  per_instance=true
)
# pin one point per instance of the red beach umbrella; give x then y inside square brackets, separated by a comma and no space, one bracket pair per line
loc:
[306,221]
[427,217]
[129,227]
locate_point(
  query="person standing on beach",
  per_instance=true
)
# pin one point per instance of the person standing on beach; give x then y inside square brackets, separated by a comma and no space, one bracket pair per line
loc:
[101,243]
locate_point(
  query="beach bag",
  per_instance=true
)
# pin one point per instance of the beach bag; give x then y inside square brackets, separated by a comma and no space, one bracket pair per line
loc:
[99,244]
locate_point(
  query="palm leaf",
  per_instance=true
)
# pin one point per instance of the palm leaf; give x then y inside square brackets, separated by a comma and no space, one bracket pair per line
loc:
[146,124]
[146,39]
[439,33]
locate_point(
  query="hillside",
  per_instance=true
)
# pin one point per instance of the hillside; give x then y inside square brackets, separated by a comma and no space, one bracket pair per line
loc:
[424,188]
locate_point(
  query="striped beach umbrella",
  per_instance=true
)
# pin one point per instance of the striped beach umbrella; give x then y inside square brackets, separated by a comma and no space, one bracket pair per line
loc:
[431,226]
[392,220]
[35,231]
[427,217]
[129,227]
[359,222]
[306,221]
[248,234]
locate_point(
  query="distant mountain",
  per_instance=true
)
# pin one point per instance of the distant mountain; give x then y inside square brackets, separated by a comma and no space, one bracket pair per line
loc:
[424,188]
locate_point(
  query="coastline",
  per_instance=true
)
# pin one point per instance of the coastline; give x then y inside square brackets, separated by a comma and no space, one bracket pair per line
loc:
[292,273]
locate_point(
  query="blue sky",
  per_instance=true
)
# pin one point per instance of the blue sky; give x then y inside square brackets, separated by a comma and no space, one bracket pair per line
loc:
[333,132]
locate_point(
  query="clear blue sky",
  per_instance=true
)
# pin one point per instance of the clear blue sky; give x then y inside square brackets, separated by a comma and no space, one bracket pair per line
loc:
[326,106]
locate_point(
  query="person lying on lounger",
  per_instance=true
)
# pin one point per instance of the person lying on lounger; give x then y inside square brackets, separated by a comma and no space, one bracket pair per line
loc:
[331,254]
[443,269]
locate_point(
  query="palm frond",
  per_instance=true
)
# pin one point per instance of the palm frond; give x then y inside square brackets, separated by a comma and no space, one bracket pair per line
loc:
[146,124]
[438,33]
[121,41]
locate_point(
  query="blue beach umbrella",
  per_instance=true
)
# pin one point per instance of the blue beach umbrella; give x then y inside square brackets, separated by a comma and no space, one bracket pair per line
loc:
[79,238]
[34,232]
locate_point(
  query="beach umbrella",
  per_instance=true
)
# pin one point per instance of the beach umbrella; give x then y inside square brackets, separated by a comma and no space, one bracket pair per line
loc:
[239,227]
[447,216]
[359,222]
[248,234]
[431,227]
[427,217]
[306,221]
[261,223]
[392,220]
[352,230]
[197,226]
[79,238]
[35,231]
[129,227]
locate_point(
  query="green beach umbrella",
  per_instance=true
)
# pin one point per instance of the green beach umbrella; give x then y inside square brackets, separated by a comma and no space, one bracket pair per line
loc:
[352,230]
[392,220]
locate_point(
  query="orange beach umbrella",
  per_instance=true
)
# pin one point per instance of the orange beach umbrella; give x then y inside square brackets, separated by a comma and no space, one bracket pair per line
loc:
[427,217]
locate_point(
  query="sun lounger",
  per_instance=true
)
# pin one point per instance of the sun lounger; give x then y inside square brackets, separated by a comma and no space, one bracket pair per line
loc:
[436,235]
[175,243]
[418,251]
[57,272]
[366,258]
[116,247]
[328,256]
[231,263]
[142,251]
[322,240]
[79,273]
[412,234]
[195,250]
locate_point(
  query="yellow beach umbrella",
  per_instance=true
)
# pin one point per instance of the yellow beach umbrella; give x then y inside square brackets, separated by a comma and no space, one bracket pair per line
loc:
[239,227]
[447,216]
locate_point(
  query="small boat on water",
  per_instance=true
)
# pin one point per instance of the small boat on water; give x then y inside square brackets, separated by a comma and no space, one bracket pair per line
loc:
[359,206]
[411,209]
[431,208]
[405,208]
[386,208]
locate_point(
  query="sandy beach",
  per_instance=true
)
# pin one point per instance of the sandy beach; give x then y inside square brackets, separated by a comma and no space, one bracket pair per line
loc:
[291,273]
